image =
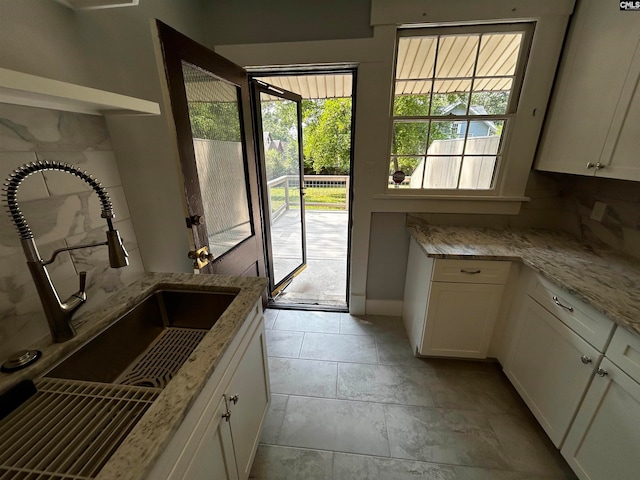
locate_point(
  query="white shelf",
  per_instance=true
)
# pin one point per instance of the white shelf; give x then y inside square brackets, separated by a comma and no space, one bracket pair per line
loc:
[33,91]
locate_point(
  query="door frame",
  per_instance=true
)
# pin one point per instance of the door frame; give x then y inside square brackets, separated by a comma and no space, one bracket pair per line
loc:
[311,69]
[181,48]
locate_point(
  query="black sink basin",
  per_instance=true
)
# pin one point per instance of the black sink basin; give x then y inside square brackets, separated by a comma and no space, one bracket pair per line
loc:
[112,353]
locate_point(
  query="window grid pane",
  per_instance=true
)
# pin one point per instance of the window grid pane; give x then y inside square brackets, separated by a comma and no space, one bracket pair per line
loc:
[470,75]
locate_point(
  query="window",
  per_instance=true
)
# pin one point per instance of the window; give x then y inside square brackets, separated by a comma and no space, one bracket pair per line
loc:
[456,93]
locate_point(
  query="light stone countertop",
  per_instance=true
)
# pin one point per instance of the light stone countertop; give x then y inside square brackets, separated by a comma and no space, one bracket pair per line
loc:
[167,412]
[607,280]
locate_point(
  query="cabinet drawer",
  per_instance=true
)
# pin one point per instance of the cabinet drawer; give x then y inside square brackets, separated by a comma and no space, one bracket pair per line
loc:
[586,321]
[624,351]
[471,271]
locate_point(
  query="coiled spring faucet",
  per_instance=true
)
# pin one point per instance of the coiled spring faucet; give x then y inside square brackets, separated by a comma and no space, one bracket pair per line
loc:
[59,313]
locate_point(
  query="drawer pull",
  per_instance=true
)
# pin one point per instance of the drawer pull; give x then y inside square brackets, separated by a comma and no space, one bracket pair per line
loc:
[601,372]
[470,272]
[557,302]
[586,360]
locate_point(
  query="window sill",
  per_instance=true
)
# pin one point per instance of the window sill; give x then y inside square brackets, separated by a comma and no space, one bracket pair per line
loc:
[423,196]
[467,204]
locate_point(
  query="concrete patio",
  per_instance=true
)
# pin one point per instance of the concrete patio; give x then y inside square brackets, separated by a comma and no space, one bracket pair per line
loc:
[324,281]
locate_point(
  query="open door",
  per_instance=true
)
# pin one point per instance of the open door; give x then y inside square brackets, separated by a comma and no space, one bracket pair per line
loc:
[278,116]
[210,103]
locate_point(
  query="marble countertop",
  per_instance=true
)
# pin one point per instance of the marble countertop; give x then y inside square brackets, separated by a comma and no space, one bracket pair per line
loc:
[134,459]
[607,280]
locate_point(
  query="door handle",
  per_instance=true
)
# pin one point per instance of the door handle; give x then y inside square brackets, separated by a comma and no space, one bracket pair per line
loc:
[201,257]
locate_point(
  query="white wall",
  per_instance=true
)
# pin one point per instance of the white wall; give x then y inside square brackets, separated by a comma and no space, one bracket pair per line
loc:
[256,21]
[375,60]
[62,211]
[40,37]
[113,49]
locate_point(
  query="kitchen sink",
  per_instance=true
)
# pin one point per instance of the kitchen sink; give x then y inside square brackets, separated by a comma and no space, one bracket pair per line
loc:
[148,344]
[90,402]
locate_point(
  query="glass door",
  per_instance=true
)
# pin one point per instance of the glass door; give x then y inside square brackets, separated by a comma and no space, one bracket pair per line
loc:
[210,105]
[279,138]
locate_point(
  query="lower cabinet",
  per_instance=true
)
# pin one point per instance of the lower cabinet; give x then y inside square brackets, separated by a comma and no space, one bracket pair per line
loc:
[460,319]
[219,437]
[248,399]
[551,367]
[450,306]
[214,456]
[604,439]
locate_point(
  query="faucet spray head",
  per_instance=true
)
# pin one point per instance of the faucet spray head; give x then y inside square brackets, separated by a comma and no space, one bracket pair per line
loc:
[118,256]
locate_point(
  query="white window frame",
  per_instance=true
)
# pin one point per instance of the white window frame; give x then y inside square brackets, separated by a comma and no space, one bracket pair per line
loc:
[510,117]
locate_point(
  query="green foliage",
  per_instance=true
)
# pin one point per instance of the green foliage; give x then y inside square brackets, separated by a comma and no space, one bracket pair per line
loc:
[215,121]
[331,195]
[410,137]
[327,136]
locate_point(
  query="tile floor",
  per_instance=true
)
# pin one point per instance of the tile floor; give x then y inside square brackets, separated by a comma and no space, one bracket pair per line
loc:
[351,402]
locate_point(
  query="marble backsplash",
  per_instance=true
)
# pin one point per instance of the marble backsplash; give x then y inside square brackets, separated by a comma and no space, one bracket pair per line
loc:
[620,225]
[62,211]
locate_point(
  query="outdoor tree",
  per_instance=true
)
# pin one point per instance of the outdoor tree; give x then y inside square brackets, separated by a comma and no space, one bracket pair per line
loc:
[215,121]
[327,139]
[412,138]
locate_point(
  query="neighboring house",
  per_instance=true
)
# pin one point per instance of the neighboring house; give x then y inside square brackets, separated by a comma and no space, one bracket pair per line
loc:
[485,128]
[271,144]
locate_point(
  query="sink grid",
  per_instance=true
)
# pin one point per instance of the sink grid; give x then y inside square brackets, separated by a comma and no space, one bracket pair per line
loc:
[69,429]
[157,366]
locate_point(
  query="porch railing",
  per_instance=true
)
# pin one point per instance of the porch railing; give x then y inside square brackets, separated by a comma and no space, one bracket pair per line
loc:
[322,191]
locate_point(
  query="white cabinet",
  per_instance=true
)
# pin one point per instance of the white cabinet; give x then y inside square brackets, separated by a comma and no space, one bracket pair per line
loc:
[550,366]
[248,396]
[219,437]
[214,456]
[460,319]
[557,344]
[604,438]
[593,122]
[450,306]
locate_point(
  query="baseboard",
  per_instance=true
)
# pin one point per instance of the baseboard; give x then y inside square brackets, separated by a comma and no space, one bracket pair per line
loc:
[384,307]
[357,304]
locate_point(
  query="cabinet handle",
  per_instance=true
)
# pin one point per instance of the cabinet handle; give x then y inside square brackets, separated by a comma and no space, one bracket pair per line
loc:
[226,416]
[601,372]
[586,360]
[234,399]
[470,272]
[590,165]
[557,302]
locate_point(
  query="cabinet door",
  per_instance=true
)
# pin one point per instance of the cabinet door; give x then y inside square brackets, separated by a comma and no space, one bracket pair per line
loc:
[597,60]
[622,149]
[460,319]
[214,457]
[416,293]
[550,366]
[603,441]
[249,396]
